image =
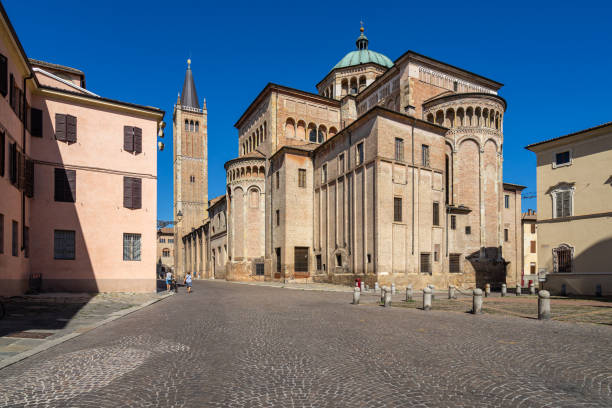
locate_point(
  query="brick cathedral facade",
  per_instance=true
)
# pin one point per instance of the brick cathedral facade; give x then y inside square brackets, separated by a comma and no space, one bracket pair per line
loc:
[392,172]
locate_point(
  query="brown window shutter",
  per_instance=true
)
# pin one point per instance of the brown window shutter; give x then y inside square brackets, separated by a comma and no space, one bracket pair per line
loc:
[71,186]
[13,162]
[29,173]
[12,92]
[533,247]
[2,152]
[128,138]
[36,122]
[3,75]
[21,170]
[136,193]
[127,192]
[137,140]
[71,129]
[60,127]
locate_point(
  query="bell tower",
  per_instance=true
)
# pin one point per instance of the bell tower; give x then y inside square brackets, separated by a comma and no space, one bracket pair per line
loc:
[190,132]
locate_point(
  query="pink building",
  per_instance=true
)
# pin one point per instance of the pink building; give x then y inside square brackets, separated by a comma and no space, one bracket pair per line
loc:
[78,181]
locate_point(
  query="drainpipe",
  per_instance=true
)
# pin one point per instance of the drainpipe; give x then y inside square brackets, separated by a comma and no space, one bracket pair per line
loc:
[23,194]
[413,170]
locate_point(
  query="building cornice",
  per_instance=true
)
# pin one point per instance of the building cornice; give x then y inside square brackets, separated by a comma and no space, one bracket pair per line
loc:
[571,137]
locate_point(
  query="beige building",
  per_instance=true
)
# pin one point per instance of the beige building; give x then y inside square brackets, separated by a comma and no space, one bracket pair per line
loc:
[391,173]
[78,181]
[165,250]
[530,248]
[574,227]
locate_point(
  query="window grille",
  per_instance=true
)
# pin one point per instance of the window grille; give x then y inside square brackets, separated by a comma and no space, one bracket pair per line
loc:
[397,209]
[301,259]
[399,149]
[426,262]
[131,247]
[454,263]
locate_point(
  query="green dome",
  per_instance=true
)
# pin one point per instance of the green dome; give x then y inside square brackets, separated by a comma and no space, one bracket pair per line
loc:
[359,57]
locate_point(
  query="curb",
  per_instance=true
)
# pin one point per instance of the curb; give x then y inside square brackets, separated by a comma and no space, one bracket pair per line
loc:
[83,330]
[288,287]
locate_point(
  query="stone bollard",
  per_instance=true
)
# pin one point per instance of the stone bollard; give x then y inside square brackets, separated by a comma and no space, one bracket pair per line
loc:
[356,294]
[376,286]
[393,288]
[433,293]
[451,292]
[427,299]
[504,290]
[531,289]
[544,305]
[367,288]
[362,286]
[383,290]
[409,293]
[388,298]
[518,290]
[487,291]
[477,301]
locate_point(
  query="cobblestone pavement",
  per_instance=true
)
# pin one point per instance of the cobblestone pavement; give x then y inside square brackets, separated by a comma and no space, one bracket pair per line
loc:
[34,320]
[228,345]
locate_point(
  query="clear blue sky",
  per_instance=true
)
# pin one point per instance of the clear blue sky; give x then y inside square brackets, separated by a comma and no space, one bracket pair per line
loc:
[554,59]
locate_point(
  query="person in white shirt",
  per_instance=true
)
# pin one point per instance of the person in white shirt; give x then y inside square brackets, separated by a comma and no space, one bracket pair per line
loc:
[188,282]
[168,280]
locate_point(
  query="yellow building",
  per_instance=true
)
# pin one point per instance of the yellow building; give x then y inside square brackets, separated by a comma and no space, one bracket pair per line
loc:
[574,178]
[530,248]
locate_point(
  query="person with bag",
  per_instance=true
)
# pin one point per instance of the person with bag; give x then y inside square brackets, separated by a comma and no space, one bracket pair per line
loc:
[187,282]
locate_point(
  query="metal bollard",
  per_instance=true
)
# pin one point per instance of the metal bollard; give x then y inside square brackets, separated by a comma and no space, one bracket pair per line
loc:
[356,295]
[393,288]
[388,299]
[451,292]
[518,290]
[409,293]
[487,290]
[543,305]
[427,299]
[362,286]
[504,290]
[531,289]
[477,301]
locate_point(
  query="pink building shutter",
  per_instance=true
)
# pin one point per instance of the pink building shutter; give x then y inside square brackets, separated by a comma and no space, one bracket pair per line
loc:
[71,129]
[60,127]
[127,192]
[137,140]
[136,193]
[128,138]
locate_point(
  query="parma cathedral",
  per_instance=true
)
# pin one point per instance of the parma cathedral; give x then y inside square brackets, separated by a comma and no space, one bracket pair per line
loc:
[392,172]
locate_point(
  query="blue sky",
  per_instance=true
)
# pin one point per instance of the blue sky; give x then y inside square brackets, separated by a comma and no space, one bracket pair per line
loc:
[554,58]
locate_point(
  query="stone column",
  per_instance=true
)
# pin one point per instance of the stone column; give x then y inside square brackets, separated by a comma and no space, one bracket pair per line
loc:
[356,294]
[518,290]
[477,301]
[409,293]
[427,299]
[487,290]
[504,290]
[544,305]
[387,298]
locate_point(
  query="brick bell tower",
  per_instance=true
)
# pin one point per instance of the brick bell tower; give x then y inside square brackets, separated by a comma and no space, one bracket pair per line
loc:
[190,132]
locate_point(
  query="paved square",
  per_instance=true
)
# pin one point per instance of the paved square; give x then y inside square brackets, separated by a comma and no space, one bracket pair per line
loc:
[249,346]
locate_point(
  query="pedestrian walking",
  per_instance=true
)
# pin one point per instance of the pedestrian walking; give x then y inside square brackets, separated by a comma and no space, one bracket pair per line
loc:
[187,282]
[168,280]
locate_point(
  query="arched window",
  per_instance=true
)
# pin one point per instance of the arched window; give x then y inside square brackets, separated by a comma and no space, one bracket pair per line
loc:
[469,113]
[477,121]
[430,118]
[440,118]
[191,126]
[290,128]
[485,117]
[312,133]
[197,126]
[353,85]
[345,87]
[186,125]
[301,130]
[254,198]
[166,253]
[460,116]
[322,134]
[257,138]
[362,83]
[265,130]
[332,131]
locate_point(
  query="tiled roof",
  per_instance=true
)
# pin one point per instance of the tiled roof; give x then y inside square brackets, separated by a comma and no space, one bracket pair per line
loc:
[55,66]
[569,134]
[215,200]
